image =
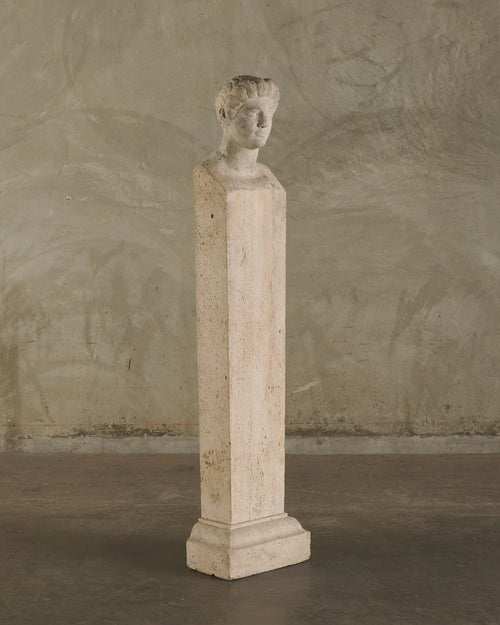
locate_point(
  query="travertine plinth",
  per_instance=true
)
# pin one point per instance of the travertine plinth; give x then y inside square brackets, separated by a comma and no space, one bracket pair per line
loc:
[240,232]
[242,549]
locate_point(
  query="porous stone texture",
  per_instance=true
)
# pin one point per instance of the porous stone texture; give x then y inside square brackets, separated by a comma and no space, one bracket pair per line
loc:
[243,549]
[240,230]
[240,270]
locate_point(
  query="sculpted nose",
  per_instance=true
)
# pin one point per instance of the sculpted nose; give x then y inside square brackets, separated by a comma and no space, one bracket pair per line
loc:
[263,120]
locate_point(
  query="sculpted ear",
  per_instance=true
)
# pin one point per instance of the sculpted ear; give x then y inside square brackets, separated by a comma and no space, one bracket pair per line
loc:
[222,113]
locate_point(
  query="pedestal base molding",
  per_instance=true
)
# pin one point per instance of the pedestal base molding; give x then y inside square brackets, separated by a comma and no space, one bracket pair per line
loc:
[234,551]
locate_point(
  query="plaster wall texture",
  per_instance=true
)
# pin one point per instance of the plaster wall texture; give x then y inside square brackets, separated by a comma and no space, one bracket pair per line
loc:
[387,140]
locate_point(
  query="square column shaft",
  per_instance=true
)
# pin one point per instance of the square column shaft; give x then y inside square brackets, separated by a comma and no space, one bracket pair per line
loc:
[240,238]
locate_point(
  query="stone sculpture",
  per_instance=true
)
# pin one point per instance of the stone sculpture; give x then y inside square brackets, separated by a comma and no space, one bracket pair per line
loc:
[245,107]
[240,239]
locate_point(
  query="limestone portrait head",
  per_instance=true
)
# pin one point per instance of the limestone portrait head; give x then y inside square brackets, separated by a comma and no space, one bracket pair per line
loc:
[245,106]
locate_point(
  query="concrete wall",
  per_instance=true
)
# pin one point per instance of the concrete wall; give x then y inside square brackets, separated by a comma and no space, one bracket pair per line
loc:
[387,139]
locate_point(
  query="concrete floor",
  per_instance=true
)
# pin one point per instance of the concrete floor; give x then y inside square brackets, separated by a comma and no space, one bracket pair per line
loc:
[99,540]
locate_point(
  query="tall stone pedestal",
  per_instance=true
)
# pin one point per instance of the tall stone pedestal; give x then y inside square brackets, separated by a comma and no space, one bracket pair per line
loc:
[240,232]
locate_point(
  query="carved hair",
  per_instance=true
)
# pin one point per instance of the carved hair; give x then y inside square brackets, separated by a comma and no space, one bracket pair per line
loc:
[233,95]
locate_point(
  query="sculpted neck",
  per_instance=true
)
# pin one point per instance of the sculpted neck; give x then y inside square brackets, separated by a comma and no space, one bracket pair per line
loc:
[237,158]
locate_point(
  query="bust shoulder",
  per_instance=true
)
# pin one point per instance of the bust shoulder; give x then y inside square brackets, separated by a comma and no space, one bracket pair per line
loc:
[230,179]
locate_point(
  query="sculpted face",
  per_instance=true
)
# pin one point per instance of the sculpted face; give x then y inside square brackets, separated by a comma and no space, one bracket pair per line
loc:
[244,106]
[252,124]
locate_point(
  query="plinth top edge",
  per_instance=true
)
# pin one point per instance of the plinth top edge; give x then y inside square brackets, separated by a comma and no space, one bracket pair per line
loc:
[265,178]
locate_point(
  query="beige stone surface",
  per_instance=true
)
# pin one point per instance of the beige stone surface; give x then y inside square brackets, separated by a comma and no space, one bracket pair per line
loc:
[240,268]
[244,549]
[240,246]
[387,142]
[240,234]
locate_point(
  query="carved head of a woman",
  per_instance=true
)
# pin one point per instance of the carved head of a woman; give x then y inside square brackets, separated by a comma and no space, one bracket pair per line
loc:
[245,106]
